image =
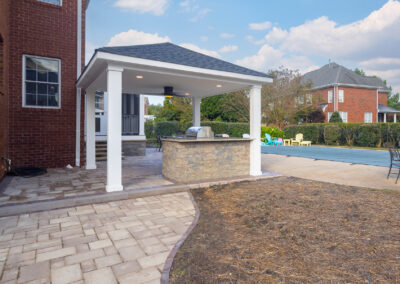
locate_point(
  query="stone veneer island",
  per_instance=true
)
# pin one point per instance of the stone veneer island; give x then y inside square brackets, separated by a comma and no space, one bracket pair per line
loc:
[189,160]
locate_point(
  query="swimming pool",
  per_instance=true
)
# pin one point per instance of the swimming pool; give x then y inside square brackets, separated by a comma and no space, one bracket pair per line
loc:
[354,156]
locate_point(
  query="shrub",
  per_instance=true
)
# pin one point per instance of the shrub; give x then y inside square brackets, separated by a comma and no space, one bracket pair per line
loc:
[234,129]
[149,129]
[368,135]
[349,132]
[271,130]
[335,117]
[167,128]
[332,134]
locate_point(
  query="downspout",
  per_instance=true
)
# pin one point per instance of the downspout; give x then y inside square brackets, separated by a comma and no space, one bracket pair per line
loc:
[78,90]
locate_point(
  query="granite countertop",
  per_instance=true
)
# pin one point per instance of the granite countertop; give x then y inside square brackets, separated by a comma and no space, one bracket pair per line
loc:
[200,140]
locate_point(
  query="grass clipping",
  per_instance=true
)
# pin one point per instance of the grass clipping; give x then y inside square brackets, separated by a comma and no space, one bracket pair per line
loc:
[290,230]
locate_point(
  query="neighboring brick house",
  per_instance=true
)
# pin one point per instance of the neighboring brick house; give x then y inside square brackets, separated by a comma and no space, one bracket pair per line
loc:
[42,44]
[356,98]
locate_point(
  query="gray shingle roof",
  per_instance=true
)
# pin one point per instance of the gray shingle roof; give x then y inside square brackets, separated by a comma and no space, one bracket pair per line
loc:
[387,109]
[171,53]
[333,73]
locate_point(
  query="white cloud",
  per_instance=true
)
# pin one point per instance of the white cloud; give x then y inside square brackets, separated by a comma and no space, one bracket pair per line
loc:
[254,41]
[268,58]
[133,37]
[200,14]
[200,50]
[381,63]
[156,7]
[228,48]
[355,41]
[392,76]
[204,38]
[260,26]
[226,35]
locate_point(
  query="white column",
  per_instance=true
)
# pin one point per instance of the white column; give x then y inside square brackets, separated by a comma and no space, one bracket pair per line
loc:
[114,125]
[141,115]
[394,117]
[255,131]
[384,117]
[90,130]
[196,111]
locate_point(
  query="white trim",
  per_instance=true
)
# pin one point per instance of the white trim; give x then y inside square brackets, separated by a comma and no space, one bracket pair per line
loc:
[23,81]
[123,137]
[380,89]
[78,90]
[46,1]
[171,68]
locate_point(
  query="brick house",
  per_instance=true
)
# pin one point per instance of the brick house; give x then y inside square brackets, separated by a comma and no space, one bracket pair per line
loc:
[42,44]
[356,98]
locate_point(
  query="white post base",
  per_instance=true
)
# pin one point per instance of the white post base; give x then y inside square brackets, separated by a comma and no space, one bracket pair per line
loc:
[112,188]
[91,167]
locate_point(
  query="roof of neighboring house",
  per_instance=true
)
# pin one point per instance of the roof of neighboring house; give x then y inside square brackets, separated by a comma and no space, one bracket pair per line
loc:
[171,53]
[387,109]
[335,74]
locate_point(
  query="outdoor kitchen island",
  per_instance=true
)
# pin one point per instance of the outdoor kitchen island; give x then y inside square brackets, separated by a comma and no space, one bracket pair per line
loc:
[190,159]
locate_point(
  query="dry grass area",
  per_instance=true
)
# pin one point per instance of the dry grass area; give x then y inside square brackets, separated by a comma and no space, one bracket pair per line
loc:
[290,230]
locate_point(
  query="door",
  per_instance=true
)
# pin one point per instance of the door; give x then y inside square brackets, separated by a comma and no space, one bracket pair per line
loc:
[101,114]
[130,114]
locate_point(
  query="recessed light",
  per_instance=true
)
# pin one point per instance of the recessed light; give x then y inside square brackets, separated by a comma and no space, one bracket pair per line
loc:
[219,86]
[139,77]
[187,94]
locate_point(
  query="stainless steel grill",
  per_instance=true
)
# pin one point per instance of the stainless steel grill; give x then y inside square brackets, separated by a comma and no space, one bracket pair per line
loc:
[199,132]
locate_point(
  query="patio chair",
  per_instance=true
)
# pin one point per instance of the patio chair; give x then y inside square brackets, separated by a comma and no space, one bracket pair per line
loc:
[279,141]
[394,161]
[159,143]
[297,140]
[268,140]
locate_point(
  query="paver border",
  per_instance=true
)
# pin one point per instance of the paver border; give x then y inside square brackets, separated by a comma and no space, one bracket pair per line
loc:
[171,256]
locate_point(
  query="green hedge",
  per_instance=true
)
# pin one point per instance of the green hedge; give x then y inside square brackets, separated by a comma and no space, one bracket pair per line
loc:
[234,129]
[149,129]
[271,130]
[167,128]
[359,134]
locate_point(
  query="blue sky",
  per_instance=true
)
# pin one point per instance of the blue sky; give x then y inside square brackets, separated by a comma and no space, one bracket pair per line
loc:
[262,35]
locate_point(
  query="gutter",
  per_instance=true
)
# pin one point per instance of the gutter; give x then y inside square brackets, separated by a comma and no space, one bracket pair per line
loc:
[78,90]
[351,86]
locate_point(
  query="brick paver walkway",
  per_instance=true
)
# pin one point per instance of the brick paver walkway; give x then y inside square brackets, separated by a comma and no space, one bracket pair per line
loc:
[118,242]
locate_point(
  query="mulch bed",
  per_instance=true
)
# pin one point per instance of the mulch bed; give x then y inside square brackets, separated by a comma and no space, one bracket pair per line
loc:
[290,230]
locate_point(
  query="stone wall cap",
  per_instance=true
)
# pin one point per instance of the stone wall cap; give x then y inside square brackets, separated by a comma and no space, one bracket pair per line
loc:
[202,140]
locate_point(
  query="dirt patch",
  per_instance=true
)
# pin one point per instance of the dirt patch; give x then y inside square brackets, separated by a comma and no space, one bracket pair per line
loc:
[293,231]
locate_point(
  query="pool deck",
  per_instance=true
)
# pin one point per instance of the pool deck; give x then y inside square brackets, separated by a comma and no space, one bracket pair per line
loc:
[331,171]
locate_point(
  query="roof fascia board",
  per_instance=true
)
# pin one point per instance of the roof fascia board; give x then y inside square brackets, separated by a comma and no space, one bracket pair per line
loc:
[350,85]
[116,58]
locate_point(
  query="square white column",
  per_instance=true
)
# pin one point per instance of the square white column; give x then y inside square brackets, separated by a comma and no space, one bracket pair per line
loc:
[384,117]
[255,130]
[114,128]
[196,111]
[395,117]
[141,115]
[90,130]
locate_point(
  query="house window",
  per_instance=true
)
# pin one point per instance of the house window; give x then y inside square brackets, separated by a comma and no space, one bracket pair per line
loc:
[301,100]
[341,96]
[42,82]
[329,116]
[309,98]
[99,102]
[343,116]
[330,96]
[55,2]
[368,117]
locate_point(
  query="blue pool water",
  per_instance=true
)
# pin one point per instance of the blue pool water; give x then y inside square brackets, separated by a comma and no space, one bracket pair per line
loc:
[354,156]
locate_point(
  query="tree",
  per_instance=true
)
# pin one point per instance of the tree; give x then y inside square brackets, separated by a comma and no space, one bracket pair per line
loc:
[176,109]
[335,118]
[278,98]
[359,72]
[394,100]
[154,110]
[310,115]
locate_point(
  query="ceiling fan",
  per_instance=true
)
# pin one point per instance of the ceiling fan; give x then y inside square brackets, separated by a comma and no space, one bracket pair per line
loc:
[169,93]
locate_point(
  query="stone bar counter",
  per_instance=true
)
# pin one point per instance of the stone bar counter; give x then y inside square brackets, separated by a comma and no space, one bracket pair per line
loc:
[189,160]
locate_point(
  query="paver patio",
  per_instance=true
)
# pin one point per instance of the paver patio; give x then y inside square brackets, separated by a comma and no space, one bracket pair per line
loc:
[117,242]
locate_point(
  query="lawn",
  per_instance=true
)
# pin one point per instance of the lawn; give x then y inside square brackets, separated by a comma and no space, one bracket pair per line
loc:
[293,231]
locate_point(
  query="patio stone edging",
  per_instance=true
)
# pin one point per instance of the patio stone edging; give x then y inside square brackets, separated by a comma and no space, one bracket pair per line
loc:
[171,256]
[37,206]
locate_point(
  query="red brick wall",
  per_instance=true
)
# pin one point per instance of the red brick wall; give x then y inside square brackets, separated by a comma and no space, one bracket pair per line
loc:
[4,10]
[356,102]
[382,98]
[43,137]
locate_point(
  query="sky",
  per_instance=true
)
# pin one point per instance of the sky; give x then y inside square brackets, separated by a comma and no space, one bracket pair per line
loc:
[263,35]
